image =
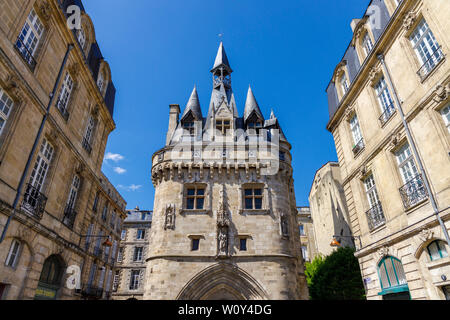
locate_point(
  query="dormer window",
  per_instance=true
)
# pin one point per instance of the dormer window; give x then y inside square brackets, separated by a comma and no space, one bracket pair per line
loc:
[367,44]
[81,37]
[223,126]
[255,125]
[189,127]
[344,83]
[100,82]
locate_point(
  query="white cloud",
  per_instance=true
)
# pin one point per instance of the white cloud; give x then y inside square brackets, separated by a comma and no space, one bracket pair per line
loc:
[131,188]
[114,157]
[119,170]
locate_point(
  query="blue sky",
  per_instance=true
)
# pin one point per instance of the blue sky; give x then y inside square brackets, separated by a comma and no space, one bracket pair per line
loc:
[159,49]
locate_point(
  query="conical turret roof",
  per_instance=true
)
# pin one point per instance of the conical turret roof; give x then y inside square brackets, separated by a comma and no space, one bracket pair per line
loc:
[193,105]
[251,106]
[221,59]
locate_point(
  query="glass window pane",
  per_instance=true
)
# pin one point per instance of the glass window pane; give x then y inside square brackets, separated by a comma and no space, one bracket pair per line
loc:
[249,203]
[190,203]
[201,192]
[258,203]
[200,203]
[191,192]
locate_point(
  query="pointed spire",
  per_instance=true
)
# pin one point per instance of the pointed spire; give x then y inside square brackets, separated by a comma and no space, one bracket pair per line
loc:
[251,106]
[193,105]
[222,60]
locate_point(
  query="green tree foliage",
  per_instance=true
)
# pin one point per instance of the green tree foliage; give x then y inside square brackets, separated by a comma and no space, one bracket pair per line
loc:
[335,277]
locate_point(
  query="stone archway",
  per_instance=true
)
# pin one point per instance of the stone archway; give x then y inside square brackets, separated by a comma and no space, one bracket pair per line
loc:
[222,281]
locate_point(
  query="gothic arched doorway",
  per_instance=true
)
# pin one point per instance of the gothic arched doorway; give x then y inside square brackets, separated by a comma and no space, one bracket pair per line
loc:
[51,278]
[222,281]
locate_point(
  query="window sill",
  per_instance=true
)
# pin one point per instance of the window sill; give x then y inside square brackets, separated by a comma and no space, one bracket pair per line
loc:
[379,228]
[254,211]
[425,77]
[438,263]
[416,206]
[196,212]
[384,124]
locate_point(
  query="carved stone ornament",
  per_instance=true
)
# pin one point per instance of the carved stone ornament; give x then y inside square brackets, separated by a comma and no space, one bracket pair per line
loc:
[395,140]
[74,69]
[363,171]
[284,224]
[409,20]
[79,168]
[442,93]
[170,217]
[384,251]
[349,111]
[425,235]
[223,224]
[46,10]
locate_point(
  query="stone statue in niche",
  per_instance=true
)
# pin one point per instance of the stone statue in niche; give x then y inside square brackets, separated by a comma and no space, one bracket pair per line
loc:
[223,224]
[284,224]
[170,217]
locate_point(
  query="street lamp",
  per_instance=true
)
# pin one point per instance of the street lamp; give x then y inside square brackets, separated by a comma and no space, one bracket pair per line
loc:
[336,243]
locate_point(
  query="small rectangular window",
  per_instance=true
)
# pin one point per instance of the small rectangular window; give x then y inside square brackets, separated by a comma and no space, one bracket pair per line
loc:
[138,251]
[6,105]
[140,234]
[123,235]
[134,279]
[243,244]
[195,198]
[195,244]
[13,254]
[223,126]
[253,198]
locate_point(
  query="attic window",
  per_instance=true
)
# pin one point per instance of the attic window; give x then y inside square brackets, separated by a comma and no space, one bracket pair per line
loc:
[223,126]
[189,127]
[255,125]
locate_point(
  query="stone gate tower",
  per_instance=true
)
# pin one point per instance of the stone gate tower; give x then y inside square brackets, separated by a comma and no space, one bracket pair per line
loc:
[224,221]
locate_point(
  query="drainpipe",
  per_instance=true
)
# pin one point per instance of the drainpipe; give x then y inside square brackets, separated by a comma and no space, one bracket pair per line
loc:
[413,146]
[35,145]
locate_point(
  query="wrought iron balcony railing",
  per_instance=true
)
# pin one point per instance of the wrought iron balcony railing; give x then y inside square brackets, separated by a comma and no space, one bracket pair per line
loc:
[358,147]
[92,292]
[98,251]
[26,54]
[375,216]
[87,145]
[431,63]
[413,192]
[387,114]
[62,107]
[69,216]
[34,201]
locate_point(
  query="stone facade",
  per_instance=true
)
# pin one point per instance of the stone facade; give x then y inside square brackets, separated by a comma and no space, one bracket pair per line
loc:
[224,226]
[128,283]
[307,235]
[329,209]
[388,103]
[60,210]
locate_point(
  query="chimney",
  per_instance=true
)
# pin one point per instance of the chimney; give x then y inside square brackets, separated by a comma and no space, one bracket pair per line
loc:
[354,23]
[174,115]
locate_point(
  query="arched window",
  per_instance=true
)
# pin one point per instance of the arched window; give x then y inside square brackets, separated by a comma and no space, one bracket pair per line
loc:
[393,279]
[437,250]
[52,271]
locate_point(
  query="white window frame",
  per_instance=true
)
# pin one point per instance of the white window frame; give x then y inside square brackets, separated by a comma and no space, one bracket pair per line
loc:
[445,113]
[73,194]
[120,254]
[14,253]
[135,279]
[367,43]
[140,234]
[123,234]
[371,191]
[384,96]
[6,105]
[65,93]
[100,82]
[81,37]
[31,35]
[89,130]
[356,130]
[42,164]
[425,45]
[406,163]
[116,280]
[138,254]
[344,83]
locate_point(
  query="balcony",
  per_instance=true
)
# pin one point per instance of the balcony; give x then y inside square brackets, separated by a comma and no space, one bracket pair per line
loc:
[26,54]
[375,217]
[358,147]
[69,216]
[387,114]
[87,145]
[413,192]
[34,202]
[431,63]
[91,292]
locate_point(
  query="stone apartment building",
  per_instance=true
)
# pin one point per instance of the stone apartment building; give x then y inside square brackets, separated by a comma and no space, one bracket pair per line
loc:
[58,212]
[329,212]
[130,272]
[307,234]
[225,217]
[389,115]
